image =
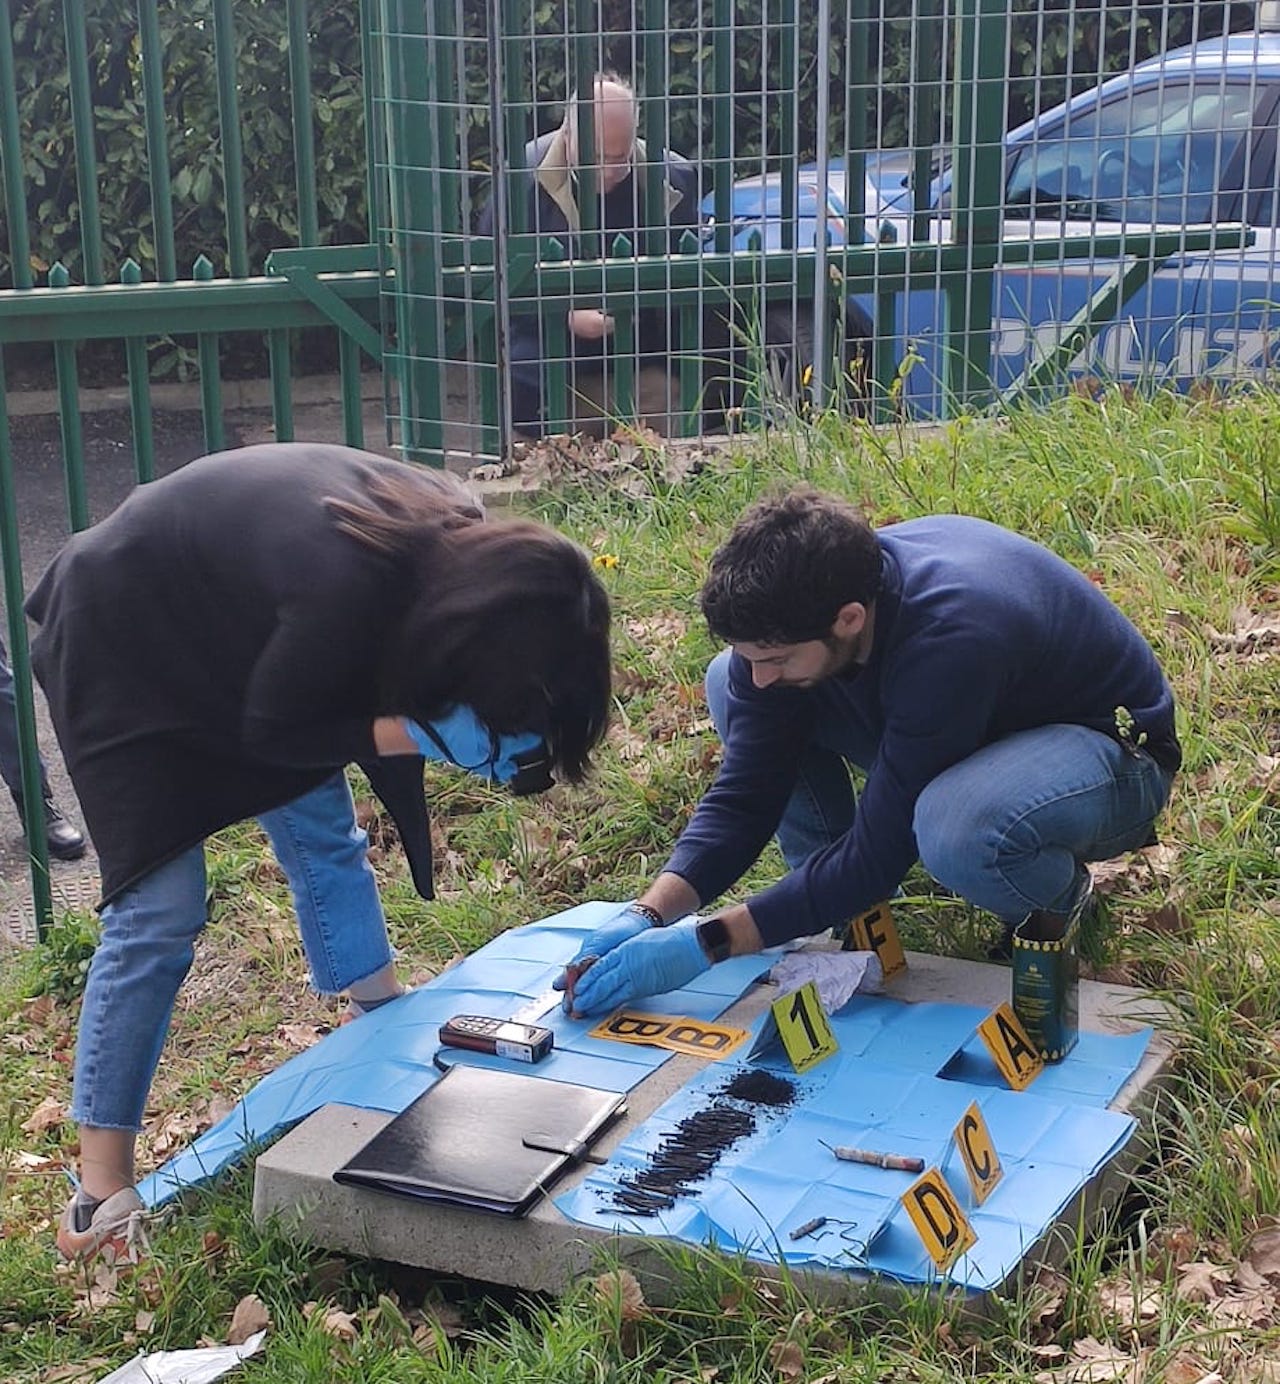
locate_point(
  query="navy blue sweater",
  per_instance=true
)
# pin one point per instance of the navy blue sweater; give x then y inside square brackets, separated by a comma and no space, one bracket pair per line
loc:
[978,633]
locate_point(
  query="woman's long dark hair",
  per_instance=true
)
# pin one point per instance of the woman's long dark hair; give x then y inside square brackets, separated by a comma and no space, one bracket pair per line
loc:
[506,617]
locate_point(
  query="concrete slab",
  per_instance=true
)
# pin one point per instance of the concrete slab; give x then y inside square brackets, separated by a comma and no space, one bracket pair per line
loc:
[546,1252]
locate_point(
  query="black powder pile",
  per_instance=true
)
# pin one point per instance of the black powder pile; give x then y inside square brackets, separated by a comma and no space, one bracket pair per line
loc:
[689,1152]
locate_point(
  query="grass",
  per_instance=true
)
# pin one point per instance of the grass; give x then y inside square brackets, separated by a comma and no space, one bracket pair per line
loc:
[1171,504]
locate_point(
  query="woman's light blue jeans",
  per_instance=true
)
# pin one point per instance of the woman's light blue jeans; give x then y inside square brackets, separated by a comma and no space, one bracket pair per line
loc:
[148,941]
[1008,829]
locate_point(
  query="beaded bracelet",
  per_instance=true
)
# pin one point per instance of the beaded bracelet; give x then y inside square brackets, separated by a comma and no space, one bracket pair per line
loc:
[647,910]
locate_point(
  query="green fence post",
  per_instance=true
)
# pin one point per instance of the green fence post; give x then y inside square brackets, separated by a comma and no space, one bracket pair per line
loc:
[20,663]
[977,185]
[304,146]
[691,371]
[557,408]
[281,366]
[64,366]
[415,231]
[352,405]
[135,355]
[624,348]
[157,141]
[722,122]
[788,125]
[923,111]
[82,126]
[210,378]
[224,56]
[15,193]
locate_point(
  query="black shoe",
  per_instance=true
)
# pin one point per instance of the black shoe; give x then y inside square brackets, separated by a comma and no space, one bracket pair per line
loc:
[63,840]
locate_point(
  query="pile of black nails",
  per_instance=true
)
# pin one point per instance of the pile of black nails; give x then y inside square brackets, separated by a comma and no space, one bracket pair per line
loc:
[685,1156]
[760,1088]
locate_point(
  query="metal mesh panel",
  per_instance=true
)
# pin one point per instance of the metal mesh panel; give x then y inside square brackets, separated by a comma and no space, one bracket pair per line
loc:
[900,207]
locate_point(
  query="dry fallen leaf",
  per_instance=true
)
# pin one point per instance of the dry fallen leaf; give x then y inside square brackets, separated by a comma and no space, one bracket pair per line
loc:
[1130,1308]
[1262,1369]
[445,1317]
[1095,1362]
[338,1324]
[787,1358]
[299,1036]
[49,1114]
[1262,1253]
[1199,1282]
[250,1315]
[1186,1368]
[620,1288]
[1243,1309]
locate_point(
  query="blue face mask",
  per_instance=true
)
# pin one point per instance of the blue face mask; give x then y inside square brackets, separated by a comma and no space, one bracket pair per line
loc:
[460,737]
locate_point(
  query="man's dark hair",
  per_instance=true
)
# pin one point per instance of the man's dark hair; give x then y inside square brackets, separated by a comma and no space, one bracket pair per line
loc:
[508,618]
[788,567]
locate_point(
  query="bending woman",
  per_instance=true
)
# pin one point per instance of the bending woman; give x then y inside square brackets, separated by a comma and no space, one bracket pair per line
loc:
[220,648]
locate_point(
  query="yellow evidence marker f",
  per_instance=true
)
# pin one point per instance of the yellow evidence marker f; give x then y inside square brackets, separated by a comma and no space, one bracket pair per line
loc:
[875,931]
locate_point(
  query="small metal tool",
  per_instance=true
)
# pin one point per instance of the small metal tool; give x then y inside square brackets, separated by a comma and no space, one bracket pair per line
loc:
[808,1228]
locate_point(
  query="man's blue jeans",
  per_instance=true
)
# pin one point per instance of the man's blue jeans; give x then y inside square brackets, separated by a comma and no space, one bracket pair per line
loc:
[1008,829]
[148,941]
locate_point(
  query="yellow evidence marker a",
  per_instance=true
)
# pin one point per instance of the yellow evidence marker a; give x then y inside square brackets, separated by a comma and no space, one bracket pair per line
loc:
[978,1153]
[938,1219]
[875,931]
[1014,1052]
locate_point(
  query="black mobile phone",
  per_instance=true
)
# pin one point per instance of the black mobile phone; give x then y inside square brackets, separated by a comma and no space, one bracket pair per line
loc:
[502,1037]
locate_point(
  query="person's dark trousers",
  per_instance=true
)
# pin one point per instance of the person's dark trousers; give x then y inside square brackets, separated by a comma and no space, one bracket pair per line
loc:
[526,380]
[64,841]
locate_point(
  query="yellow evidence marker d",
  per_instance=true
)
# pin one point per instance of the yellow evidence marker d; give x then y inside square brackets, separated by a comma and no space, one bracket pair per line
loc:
[938,1219]
[1015,1054]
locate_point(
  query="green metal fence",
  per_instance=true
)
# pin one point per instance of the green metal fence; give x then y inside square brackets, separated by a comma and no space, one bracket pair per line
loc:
[801,279]
[158,301]
[799,282]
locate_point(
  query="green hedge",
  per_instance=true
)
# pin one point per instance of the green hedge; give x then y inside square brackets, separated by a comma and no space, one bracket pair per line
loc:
[191,107]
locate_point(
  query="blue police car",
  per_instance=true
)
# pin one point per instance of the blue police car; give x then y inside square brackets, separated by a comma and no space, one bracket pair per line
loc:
[1187,139]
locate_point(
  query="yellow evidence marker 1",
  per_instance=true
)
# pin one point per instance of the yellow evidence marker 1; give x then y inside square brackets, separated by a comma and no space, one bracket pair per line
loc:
[1014,1052]
[938,1219]
[978,1153]
[802,1025]
[875,931]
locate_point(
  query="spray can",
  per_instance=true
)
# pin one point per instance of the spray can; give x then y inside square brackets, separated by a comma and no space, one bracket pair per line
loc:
[1046,981]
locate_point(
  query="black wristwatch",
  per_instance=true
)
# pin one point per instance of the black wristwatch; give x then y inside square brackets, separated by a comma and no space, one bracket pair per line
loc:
[713,937]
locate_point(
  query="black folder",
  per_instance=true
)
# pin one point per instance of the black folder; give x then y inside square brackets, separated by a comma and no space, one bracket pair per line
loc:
[484,1138]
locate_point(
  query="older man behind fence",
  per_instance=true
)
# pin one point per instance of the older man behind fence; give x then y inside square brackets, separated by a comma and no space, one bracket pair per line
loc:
[553,193]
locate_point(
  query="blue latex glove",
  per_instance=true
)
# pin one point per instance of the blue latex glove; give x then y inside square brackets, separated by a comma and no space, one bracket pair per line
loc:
[613,932]
[651,963]
[461,738]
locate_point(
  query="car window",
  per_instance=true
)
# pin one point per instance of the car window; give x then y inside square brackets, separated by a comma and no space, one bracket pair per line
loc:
[1155,154]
